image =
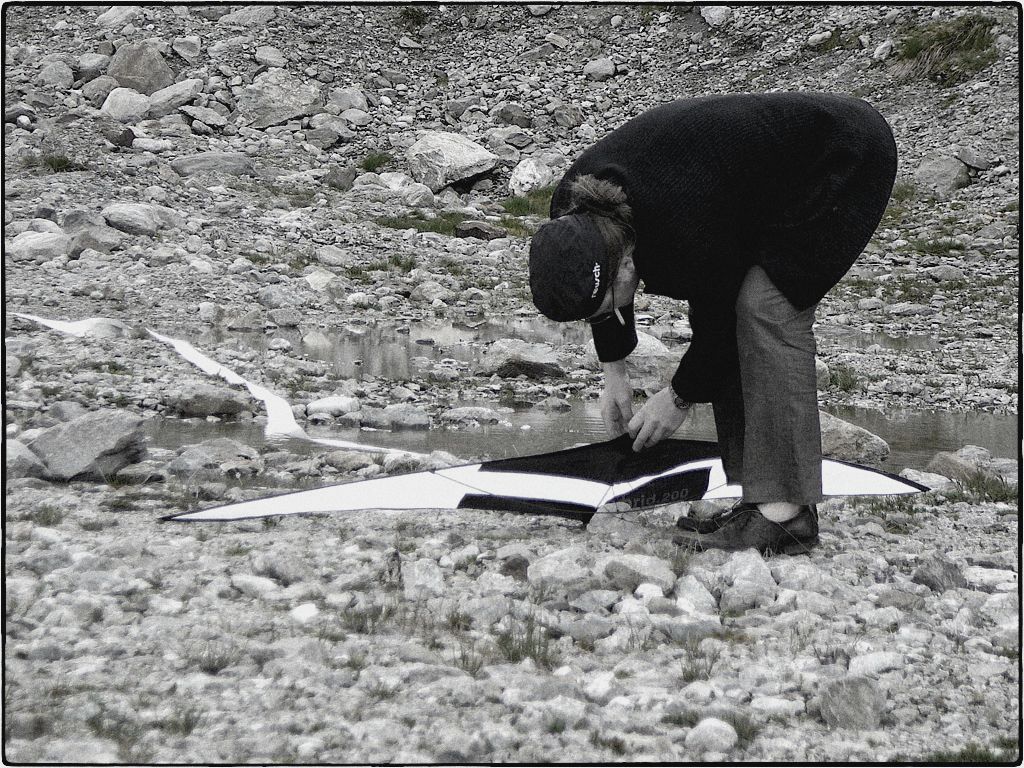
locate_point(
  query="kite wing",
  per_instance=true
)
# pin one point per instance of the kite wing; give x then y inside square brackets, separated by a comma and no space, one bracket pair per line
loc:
[572,483]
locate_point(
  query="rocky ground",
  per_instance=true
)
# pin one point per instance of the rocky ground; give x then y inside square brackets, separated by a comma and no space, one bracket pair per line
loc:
[263,168]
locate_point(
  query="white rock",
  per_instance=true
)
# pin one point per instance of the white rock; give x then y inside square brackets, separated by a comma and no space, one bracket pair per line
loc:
[270,56]
[600,686]
[530,174]
[118,16]
[439,159]
[711,735]
[715,15]
[875,663]
[253,586]
[693,598]
[422,578]
[599,69]
[335,405]
[304,613]
[168,99]
[776,706]
[38,246]
[125,105]
[561,568]
[930,479]
[141,218]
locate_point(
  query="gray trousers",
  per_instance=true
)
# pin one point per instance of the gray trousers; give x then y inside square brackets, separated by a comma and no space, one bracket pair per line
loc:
[767,419]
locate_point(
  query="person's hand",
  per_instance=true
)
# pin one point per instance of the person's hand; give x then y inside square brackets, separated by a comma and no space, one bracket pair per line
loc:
[658,419]
[617,399]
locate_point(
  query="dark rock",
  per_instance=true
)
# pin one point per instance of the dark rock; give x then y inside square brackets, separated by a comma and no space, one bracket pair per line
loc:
[938,574]
[483,230]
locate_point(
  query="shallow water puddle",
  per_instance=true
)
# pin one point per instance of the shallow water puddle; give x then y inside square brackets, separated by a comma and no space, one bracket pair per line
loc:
[391,351]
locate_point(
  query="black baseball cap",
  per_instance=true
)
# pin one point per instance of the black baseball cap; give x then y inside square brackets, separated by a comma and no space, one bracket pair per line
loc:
[570,268]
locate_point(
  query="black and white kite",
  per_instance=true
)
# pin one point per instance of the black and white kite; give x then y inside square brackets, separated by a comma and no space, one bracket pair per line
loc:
[573,483]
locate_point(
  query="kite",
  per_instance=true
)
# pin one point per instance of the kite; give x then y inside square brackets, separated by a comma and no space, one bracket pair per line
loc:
[572,483]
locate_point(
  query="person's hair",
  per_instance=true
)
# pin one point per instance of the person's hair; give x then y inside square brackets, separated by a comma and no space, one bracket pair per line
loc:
[606,202]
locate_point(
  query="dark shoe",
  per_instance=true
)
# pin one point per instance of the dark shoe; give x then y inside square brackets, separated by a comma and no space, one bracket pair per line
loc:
[713,523]
[746,527]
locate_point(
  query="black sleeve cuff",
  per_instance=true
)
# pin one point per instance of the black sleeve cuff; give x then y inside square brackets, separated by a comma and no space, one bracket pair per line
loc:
[612,340]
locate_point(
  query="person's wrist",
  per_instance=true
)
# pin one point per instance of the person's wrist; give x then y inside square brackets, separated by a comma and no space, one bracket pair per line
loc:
[680,403]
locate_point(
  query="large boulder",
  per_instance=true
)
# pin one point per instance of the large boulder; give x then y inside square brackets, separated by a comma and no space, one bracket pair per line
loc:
[439,159]
[852,702]
[276,97]
[141,67]
[845,441]
[91,447]
[38,246]
[942,174]
[141,218]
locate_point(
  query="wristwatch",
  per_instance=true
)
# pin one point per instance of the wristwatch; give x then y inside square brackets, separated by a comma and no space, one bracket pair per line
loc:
[678,402]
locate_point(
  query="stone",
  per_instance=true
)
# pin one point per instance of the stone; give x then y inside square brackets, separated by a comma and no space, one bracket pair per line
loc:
[270,56]
[38,246]
[482,230]
[855,703]
[711,735]
[167,100]
[560,569]
[938,574]
[224,163]
[141,218]
[117,16]
[599,69]
[249,16]
[749,581]
[333,406]
[509,358]
[406,416]
[875,663]
[693,599]
[125,105]
[529,175]
[715,15]
[19,461]
[275,97]
[140,66]
[470,415]
[510,113]
[627,571]
[944,273]
[942,175]
[213,459]
[348,98]
[845,441]
[951,465]
[188,47]
[932,480]
[429,291]
[254,586]
[439,159]
[209,400]
[340,178]
[91,447]
[56,75]
[205,115]
[422,579]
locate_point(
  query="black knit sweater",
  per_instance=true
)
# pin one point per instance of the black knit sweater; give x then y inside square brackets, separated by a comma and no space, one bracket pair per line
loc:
[793,182]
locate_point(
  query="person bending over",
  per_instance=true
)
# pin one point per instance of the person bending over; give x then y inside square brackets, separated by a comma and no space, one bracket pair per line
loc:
[749,207]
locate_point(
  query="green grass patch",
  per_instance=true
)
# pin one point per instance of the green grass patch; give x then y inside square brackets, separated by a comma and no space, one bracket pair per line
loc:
[843,378]
[526,640]
[949,52]
[443,224]
[54,162]
[972,753]
[413,17]
[935,246]
[535,203]
[46,515]
[903,191]
[375,161]
[982,486]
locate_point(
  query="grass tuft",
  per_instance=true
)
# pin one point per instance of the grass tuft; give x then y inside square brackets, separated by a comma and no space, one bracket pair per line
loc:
[949,52]
[528,640]
[375,161]
[535,203]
